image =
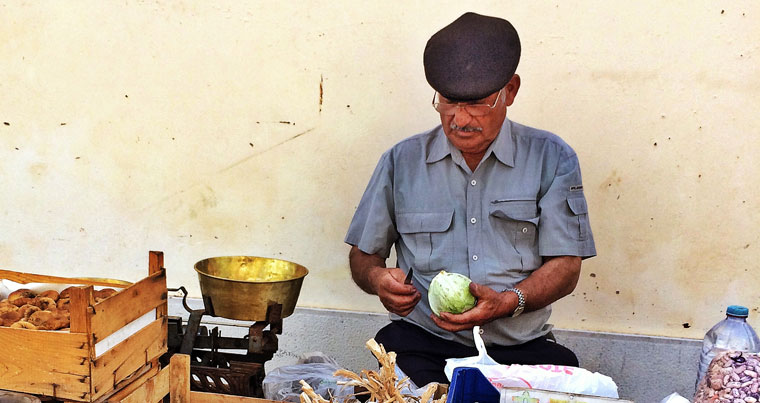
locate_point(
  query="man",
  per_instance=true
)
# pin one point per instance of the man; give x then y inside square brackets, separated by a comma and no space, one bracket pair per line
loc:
[479,195]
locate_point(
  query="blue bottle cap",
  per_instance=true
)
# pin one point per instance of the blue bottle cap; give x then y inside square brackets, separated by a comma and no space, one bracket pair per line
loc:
[737,310]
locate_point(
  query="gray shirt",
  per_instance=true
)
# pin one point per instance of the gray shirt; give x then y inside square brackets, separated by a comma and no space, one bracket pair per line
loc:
[524,201]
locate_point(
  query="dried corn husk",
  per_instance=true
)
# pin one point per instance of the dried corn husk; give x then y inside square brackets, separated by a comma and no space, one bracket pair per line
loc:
[383,386]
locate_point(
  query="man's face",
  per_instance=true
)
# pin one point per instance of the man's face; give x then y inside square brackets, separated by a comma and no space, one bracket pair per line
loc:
[473,134]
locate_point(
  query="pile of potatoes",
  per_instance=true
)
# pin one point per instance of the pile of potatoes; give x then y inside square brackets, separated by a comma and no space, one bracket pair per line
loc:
[48,310]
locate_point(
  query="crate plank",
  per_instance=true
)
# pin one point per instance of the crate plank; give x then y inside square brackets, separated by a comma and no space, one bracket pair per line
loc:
[205,397]
[22,369]
[179,378]
[115,312]
[128,356]
[151,391]
[26,278]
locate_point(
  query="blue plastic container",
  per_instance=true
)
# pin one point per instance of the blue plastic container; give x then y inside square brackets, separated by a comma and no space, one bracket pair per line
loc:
[469,385]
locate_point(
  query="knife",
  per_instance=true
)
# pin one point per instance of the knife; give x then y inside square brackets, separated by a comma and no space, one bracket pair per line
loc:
[408,279]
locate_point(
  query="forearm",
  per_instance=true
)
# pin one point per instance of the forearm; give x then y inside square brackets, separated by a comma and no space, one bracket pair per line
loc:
[362,265]
[556,278]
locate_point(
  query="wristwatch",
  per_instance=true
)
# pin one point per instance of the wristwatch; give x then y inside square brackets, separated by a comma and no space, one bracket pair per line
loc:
[520,302]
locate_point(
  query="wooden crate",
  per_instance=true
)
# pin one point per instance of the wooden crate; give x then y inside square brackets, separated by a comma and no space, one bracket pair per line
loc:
[179,386]
[71,366]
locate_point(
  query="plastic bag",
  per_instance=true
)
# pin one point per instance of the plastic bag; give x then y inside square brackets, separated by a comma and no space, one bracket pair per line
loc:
[731,375]
[674,398]
[284,383]
[556,378]
[481,359]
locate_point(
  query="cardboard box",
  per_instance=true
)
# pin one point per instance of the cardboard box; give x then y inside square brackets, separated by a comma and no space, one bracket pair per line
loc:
[520,395]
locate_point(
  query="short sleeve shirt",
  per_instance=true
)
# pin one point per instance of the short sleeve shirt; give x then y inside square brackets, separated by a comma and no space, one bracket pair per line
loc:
[523,202]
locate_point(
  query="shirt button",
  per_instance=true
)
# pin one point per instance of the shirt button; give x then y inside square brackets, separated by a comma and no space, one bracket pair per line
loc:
[525,229]
[473,182]
[474,257]
[473,220]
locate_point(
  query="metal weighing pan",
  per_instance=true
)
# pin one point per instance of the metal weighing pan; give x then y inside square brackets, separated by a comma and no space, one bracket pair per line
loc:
[242,287]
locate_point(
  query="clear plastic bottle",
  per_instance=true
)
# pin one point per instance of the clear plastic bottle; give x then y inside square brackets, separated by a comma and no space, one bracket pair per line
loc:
[732,333]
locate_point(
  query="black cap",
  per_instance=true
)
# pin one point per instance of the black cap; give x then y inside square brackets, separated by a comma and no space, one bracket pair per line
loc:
[472,57]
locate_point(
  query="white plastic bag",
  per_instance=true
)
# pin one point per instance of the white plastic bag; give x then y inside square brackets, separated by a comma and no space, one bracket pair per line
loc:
[481,359]
[674,398]
[556,378]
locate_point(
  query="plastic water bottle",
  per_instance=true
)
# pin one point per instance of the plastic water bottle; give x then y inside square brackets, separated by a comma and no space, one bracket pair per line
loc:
[732,333]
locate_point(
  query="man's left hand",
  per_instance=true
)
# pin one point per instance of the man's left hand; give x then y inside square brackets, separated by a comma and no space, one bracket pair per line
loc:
[491,305]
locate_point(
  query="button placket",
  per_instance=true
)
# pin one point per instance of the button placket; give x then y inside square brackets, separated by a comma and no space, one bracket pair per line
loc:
[474,207]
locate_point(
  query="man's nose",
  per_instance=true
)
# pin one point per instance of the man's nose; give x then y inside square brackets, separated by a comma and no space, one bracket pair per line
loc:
[462,117]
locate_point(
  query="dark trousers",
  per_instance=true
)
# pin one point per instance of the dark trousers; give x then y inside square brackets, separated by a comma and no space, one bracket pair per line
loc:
[422,355]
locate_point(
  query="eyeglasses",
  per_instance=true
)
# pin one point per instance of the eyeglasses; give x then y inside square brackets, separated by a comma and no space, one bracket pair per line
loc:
[448,108]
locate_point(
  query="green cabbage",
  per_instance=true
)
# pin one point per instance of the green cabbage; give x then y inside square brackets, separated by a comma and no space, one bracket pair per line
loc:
[450,292]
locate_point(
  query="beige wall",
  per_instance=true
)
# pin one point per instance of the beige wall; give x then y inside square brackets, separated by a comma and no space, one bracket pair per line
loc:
[228,128]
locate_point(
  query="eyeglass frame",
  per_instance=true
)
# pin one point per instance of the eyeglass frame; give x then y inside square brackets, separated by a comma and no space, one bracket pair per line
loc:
[465,105]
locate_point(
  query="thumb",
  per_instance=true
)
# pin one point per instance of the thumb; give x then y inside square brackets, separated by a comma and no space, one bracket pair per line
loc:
[477,290]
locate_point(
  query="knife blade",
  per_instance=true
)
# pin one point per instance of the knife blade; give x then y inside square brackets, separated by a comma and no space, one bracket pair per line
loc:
[408,279]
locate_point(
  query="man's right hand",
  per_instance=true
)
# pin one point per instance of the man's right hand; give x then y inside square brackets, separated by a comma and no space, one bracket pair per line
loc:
[397,297]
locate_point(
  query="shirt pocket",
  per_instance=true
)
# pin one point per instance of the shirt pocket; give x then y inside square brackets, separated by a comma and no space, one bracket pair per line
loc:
[578,224]
[516,221]
[424,235]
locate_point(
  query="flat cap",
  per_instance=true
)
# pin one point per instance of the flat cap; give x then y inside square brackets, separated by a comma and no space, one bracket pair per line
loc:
[471,58]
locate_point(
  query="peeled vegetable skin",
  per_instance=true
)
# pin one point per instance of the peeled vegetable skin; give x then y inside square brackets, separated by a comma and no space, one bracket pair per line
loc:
[450,292]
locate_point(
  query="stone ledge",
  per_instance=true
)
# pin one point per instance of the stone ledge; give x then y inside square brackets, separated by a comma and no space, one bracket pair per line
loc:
[645,368]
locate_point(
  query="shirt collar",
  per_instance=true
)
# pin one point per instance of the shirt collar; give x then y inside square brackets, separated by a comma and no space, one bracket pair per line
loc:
[502,146]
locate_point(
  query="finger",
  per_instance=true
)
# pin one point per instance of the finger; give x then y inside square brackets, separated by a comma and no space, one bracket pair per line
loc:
[400,303]
[445,325]
[409,303]
[400,288]
[473,316]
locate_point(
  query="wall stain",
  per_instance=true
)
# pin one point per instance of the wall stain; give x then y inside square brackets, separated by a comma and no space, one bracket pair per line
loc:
[321,91]
[612,179]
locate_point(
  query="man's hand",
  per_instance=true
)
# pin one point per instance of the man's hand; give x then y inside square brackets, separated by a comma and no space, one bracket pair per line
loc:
[491,305]
[396,296]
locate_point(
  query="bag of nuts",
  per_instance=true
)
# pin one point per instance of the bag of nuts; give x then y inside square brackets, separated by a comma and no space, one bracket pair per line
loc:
[732,377]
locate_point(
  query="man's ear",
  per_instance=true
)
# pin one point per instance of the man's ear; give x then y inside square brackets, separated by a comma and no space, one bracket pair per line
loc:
[511,90]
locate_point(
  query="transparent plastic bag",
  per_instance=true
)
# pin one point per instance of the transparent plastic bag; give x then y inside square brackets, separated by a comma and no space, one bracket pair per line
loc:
[284,383]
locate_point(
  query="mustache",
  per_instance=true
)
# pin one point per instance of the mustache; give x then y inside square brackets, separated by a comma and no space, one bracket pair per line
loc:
[468,129]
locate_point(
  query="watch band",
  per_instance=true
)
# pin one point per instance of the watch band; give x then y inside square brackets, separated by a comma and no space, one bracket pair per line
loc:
[520,302]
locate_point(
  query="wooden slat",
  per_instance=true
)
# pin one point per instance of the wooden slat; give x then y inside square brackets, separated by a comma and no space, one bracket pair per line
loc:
[81,300]
[179,378]
[205,397]
[129,385]
[128,356]
[115,312]
[26,278]
[45,362]
[156,264]
[151,391]
[155,261]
